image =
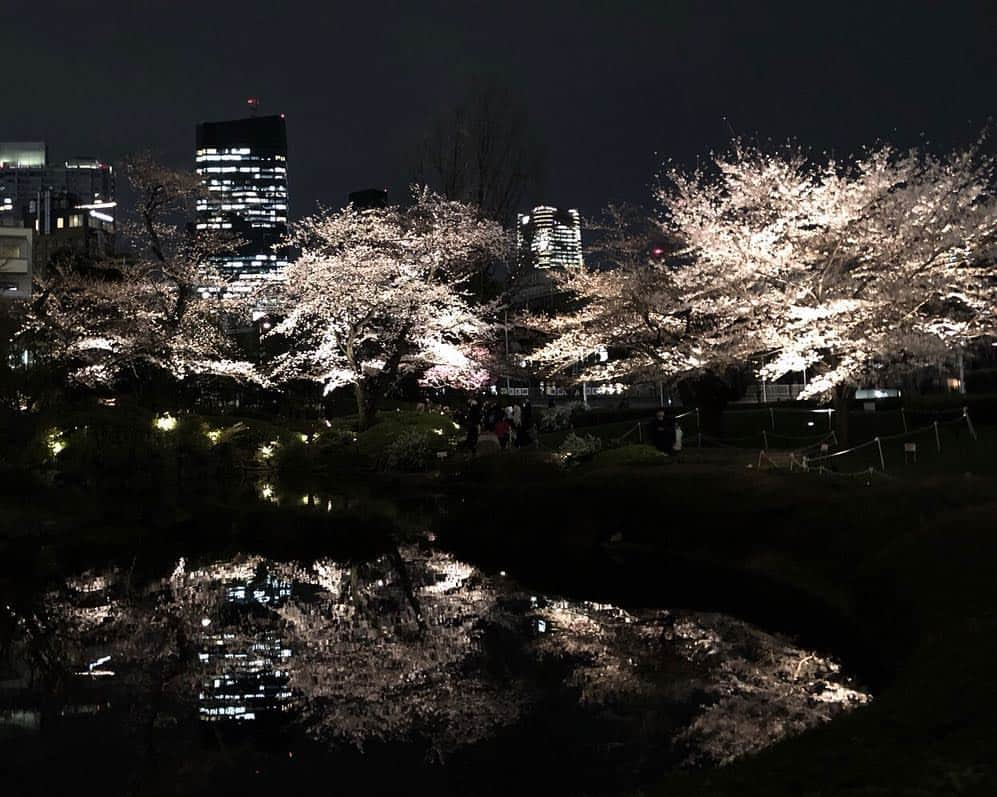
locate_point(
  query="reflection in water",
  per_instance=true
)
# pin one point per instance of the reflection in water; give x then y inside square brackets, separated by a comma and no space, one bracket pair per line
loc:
[417,647]
[248,672]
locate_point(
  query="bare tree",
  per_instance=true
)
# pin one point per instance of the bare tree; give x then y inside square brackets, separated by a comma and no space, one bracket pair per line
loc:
[483,152]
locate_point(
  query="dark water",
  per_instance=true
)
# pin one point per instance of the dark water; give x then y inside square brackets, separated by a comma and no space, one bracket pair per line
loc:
[408,670]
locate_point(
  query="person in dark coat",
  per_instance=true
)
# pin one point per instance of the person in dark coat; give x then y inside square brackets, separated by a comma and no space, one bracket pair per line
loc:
[525,436]
[661,432]
[473,425]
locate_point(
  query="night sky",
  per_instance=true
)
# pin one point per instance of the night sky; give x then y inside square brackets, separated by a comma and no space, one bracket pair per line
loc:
[612,88]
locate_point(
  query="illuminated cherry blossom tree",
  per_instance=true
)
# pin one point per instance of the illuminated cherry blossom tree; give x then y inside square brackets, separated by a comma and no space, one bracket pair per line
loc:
[99,321]
[377,294]
[853,270]
[627,314]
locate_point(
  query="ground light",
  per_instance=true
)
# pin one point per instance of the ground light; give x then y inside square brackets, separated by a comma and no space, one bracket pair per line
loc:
[165,422]
[55,443]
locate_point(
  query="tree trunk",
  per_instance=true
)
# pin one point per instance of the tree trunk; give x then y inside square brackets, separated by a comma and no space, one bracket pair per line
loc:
[366,406]
[842,396]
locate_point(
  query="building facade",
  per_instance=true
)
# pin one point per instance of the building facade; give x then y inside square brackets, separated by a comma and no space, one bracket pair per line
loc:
[66,226]
[549,238]
[15,262]
[67,207]
[242,165]
[25,176]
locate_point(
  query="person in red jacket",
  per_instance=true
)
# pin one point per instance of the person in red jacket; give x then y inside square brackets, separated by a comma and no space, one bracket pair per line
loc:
[502,429]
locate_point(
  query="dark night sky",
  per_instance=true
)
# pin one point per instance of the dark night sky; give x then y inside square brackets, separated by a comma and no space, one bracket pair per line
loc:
[612,88]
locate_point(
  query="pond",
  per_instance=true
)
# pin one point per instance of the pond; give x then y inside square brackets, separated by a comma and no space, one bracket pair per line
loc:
[407,669]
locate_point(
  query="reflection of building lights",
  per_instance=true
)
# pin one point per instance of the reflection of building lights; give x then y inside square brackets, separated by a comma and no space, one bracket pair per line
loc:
[205,622]
[93,670]
[165,423]
[304,438]
[214,435]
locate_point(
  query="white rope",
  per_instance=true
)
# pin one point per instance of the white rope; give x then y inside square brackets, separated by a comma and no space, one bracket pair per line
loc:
[872,442]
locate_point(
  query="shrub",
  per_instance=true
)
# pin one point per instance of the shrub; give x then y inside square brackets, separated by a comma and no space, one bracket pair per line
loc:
[556,419]
[437,427]
[410,451]
[576,448]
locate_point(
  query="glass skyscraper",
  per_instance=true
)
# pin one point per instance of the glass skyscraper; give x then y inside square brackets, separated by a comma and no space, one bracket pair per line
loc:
[243,168]
[548,237]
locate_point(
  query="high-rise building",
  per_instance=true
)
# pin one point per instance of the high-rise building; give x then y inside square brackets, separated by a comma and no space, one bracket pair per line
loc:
[243,168]
[548,238]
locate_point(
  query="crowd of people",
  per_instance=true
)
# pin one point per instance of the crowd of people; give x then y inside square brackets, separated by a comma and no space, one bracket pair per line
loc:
[512,425]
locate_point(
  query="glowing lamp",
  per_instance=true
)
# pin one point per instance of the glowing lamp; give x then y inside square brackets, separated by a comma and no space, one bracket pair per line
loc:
[165,423]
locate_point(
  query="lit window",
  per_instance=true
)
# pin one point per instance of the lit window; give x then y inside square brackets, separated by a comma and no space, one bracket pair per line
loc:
[60,223]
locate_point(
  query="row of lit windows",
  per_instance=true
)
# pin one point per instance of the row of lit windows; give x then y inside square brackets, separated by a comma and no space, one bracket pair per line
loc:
[224,150]
[230,151]
[236,170]
[76,220]
[249,200]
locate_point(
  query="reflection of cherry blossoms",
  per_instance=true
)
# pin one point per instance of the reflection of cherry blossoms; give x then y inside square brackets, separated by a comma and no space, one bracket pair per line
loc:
[417,647]
[753,688]
[389,649]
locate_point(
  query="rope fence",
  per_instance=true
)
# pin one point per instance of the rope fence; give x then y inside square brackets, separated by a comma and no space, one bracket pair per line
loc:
[963,417]
[816,456]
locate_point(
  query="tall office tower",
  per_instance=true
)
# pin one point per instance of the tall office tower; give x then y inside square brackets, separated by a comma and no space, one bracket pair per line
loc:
[243,168]
[548,238]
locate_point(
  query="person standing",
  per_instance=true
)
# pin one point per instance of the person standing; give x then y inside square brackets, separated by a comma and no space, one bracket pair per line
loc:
[525,435]
[661,432]
[473,425]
